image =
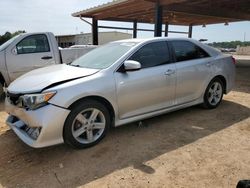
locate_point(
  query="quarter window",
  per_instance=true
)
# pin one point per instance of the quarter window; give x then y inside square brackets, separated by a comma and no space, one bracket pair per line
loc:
[33,44]
[185,50]
[152,55]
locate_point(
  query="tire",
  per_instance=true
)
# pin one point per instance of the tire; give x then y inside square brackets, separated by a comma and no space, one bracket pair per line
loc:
[213,96]
[86,117]
[1,92]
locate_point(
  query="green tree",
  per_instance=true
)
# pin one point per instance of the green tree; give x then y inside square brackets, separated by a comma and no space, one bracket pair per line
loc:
[8,35]
[232,44]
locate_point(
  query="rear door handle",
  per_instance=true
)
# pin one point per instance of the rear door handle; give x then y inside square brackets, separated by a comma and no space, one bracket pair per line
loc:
[46,57]
[170,72]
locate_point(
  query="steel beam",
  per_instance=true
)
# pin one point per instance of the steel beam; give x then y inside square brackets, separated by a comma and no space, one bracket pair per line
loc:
[131,29]
[135,29]
[190,31]
[158,19]
[166,29]
[94,31]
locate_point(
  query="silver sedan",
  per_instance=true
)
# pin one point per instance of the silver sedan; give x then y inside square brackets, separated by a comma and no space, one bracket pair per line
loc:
[115,84]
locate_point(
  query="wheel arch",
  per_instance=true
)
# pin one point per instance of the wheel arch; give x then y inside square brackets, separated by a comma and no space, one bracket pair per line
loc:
[224,81]
[100,99]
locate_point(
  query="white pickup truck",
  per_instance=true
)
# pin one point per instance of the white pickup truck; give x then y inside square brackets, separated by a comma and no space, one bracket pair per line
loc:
[30,51]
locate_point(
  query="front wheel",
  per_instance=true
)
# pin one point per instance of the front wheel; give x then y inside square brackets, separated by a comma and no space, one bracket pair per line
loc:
[86,125]
[214,94]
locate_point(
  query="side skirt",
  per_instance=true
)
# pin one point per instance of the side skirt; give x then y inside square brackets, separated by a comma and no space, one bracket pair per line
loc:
[120,122]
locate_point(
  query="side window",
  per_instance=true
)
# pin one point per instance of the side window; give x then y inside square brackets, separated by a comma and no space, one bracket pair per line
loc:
[153,54]
[33,44]
[185,50]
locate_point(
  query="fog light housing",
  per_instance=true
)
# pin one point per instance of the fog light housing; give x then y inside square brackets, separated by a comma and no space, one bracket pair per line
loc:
[33,132]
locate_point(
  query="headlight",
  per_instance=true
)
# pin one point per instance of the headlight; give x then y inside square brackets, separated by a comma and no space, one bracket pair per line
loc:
[34,101]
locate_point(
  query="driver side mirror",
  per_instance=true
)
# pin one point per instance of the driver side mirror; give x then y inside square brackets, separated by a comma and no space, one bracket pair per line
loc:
[14,51]
[131,65]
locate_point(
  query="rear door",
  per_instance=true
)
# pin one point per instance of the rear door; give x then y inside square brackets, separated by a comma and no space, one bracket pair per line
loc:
[151,88]
[193,69]
[32,52]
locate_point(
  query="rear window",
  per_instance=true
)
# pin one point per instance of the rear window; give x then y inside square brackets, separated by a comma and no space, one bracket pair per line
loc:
[185,50]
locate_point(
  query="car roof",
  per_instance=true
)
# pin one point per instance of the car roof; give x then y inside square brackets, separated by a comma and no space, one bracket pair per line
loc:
[210,50]
[154,39]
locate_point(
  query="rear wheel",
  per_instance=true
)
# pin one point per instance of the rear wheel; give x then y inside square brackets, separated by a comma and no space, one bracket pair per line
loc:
[86,125]
[214,94]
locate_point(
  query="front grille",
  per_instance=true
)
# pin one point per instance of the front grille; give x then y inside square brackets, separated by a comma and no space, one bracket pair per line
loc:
[13,98]
[33,132]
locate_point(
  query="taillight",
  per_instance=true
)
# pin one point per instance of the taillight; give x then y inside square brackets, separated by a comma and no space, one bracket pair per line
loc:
[234,60]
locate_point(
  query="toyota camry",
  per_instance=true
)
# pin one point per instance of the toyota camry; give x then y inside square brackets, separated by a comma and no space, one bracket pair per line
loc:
[115,84]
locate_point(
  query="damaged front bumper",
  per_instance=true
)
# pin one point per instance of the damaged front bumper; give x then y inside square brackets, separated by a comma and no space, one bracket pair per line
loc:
[39,128]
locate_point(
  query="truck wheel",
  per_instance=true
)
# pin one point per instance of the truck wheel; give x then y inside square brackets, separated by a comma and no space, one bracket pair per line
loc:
[1,91]
[86,125]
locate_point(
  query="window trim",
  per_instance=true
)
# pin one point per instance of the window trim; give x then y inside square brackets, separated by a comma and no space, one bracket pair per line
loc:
[174,55]
[33,52]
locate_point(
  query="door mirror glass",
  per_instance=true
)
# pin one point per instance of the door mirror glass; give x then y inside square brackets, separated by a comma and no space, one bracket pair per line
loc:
[131,65]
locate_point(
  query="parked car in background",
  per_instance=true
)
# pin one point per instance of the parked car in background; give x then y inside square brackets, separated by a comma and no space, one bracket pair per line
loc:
[228,50]
[29,51]
[118,83]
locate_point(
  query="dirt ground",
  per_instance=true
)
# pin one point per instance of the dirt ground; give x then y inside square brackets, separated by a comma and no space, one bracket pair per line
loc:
[189,148]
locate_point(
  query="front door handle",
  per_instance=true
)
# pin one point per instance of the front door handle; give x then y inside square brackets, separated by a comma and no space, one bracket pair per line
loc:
[46,57]
[170,72]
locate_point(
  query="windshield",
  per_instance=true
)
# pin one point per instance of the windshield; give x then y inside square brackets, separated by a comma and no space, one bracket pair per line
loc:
[104,56]
[7,43]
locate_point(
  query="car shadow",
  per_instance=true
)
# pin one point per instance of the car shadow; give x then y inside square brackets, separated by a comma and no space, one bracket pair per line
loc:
[125,146]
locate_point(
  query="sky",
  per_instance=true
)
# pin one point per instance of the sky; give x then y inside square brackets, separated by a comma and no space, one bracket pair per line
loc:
[55,16]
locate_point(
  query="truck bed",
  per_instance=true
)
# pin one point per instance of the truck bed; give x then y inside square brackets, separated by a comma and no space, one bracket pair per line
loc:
[68,55]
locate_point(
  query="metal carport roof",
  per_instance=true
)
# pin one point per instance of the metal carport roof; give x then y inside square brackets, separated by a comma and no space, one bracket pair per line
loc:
[176,12]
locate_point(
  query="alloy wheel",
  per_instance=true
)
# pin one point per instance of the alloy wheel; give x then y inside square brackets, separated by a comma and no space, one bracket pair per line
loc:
[88,125]
[215,93]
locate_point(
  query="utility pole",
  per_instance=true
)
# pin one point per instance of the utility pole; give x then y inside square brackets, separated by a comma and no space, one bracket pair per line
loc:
[244,36]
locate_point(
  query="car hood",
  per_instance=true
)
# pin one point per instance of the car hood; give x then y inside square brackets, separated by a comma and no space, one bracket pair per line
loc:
[39,79]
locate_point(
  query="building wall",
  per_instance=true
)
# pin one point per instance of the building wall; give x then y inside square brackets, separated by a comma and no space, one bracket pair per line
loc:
[86,38]
[106,37]
[243,50]
[65,41]
[83,39]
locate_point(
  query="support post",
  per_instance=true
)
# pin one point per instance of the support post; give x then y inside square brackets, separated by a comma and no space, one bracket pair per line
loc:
[190,31]
[166,29]
[158,19]
[135,29]
[94,31]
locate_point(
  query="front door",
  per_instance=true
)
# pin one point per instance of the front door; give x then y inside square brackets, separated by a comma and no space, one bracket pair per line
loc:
[152,87]
[30,53]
